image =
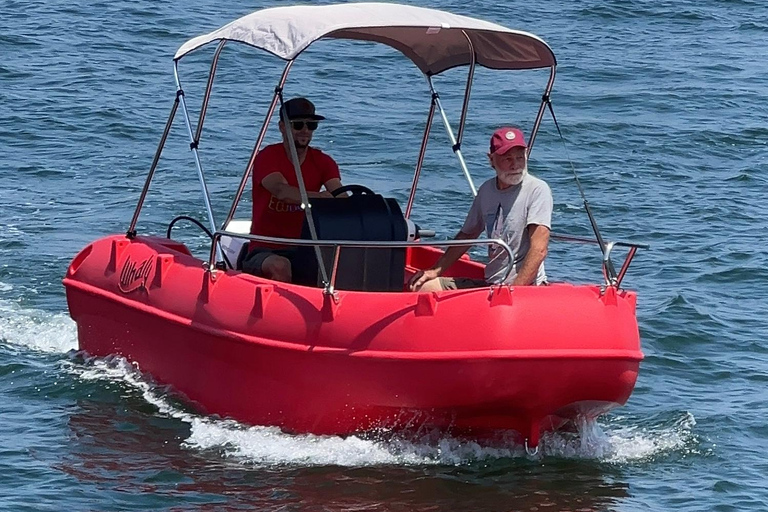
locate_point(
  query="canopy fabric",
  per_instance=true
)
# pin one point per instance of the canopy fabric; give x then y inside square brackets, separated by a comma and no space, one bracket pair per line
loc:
[434,40]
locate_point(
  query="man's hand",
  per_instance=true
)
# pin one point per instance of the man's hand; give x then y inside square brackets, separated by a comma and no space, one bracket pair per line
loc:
[421,277]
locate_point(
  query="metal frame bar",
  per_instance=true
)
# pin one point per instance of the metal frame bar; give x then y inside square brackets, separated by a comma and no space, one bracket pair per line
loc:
[131,233]
[467,90]
[422,152]
[207,96]
[542,107]
[305,204]
[455,145]
[612,278]
[581,239]
[257,145]
[456,140]
[330,286]
[193,147]
[339,244]
[592,221]
[625,266]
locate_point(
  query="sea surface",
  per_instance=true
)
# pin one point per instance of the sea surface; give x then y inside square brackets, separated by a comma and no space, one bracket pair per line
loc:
[663,107]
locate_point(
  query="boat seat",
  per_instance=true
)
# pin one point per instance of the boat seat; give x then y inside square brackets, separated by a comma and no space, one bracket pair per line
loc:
[359,217]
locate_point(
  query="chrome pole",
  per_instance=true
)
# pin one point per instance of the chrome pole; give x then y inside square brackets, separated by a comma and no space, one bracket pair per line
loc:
[330,288]
[470,77]
[608,271]
[257,146]
[456,146]
[540,114]
[625,266]
[422,152]
[208,87]
[305,205]
[131,233]
[193,147]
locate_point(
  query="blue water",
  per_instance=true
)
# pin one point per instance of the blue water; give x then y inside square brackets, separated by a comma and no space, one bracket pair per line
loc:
[663,106]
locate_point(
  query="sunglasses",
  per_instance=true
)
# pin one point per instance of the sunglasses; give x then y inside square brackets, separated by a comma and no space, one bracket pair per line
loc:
[299,125]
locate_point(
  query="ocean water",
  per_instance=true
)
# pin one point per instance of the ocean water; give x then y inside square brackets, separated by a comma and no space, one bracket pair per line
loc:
[663,109]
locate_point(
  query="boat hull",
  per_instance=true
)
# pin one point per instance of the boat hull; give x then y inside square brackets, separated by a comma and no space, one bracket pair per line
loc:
[265,353]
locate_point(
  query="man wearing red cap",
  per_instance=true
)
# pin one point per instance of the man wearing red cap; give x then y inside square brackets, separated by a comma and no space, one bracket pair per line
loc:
[276,199]
[513,206]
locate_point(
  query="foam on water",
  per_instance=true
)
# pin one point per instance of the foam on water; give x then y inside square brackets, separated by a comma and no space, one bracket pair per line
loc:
[622,442]
[268,446]
[640,443]
[36,329]
[261,445]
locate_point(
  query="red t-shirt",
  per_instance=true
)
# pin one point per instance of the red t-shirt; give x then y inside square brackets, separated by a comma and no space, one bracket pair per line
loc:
[272,217]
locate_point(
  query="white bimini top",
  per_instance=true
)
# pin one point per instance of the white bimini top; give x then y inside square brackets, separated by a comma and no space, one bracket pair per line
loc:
[434,40]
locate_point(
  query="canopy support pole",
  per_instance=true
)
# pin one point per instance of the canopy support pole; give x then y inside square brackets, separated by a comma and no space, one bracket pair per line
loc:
[209,85]
[542,107]
[422,152]
[456,141]
[305,204]
[198,164]
[257,145]
[131,233]
[456,146]
[470,78]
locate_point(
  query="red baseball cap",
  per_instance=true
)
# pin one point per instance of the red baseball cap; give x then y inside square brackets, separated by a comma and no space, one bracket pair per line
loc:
[505,139]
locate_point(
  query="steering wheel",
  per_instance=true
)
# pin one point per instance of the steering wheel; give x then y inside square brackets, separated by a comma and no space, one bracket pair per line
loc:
[355,190]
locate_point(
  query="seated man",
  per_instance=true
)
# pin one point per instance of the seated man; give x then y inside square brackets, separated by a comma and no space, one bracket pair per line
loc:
[514,207]
[276,199]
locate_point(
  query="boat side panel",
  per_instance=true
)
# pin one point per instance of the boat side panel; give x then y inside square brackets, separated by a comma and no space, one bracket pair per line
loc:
[336,393]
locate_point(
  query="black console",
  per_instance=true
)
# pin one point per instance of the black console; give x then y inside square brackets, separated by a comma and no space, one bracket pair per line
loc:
[359,217]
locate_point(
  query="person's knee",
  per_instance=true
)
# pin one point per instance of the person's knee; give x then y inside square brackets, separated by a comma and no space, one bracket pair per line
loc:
[277,268]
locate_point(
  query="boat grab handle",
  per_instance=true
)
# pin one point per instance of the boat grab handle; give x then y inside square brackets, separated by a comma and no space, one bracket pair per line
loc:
[612,278]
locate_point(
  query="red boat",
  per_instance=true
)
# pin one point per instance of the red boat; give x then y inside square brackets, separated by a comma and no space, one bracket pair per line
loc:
[348,349]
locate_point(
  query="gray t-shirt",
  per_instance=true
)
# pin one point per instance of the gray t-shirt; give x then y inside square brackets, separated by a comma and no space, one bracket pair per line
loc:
[506,214]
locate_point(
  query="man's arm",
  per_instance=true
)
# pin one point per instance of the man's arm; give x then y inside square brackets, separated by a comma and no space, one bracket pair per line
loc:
[278,186]
[449,257]
[530,267]
[332,184]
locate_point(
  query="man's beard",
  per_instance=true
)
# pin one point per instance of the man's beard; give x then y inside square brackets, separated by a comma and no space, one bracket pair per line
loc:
[511,179]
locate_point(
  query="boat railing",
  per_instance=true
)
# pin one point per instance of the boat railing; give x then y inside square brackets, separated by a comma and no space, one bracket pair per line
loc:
[337,245]
[612,277]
